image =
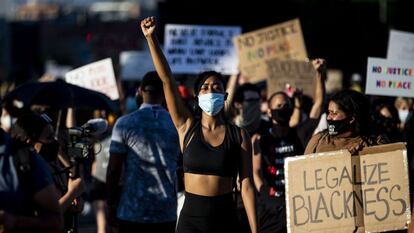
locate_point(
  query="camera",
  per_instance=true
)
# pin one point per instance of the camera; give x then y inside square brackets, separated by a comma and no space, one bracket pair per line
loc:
[81,138]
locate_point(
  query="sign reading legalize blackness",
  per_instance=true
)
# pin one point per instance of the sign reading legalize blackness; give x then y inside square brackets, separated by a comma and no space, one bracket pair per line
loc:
[390,77]
[401,46]
[281,41]
[194,48]
[98,76]
[336,192]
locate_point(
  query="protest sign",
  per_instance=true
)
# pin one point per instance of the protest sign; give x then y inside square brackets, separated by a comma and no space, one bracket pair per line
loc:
[195,48]
[281,41]
[135,64]
[401,46]
[98,76]
[336,192]
[298,74]
[333,81]
[390,77]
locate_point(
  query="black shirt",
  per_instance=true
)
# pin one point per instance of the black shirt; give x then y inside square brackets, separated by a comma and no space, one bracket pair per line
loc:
[274,151]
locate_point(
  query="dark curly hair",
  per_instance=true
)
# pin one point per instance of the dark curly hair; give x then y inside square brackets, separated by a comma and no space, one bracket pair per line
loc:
[357,105]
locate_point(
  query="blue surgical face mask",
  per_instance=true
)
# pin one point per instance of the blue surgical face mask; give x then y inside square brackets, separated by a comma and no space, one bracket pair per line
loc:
[211,103]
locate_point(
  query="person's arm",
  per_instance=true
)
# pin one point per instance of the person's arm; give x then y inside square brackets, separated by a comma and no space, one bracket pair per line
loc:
[257,162]
[320,66]
[113,175]
[312,144]
[232,85]
[180,115]
[116,162]
[49,218]
[297,110]
[245,174]
[76,187]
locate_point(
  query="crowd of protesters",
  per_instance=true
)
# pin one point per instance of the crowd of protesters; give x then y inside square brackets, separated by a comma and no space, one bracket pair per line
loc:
[226,145]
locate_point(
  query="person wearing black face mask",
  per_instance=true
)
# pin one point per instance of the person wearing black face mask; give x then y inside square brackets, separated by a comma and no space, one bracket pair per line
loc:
[348,120]
[270,150]
[282,140]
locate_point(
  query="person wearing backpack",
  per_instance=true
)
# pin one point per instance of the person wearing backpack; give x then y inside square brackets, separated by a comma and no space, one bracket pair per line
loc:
[212,153]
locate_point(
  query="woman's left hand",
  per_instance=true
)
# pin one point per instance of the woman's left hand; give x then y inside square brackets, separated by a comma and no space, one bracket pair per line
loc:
[354,148]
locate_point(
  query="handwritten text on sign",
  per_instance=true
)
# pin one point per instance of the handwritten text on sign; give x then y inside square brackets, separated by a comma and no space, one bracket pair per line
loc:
[337,192]
[390,77]
[194,48]
[281,41]
[98,76]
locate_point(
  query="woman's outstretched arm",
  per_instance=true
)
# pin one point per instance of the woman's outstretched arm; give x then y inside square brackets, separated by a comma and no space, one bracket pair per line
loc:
[180,114]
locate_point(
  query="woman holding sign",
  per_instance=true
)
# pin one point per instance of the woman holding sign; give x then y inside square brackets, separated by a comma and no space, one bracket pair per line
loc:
[348,119]
[214,151]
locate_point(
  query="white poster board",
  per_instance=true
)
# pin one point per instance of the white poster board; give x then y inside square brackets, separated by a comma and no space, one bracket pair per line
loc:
[194,48]
[135,64]
[98,76]
[390,77]
[401,46]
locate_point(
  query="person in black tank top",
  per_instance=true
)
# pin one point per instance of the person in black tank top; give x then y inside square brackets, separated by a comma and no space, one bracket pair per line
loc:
[214,151]
[202,158]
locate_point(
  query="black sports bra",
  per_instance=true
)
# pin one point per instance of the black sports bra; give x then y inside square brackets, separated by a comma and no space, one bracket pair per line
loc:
[199,157]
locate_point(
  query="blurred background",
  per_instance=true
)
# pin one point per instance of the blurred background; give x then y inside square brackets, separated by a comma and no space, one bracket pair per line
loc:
[41,38]
[54,36]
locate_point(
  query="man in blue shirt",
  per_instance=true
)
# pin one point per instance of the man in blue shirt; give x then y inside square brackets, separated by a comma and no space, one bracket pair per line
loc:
[146,144]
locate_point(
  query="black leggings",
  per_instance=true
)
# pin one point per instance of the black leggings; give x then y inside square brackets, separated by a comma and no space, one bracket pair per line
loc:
[127,227]
[202,214]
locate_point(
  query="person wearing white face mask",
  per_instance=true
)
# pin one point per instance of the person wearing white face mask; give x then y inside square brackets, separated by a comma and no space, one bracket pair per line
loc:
[214,151]
[403,105]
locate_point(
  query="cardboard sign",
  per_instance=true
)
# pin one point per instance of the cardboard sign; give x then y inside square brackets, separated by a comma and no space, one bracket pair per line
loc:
[336,192]
[98,76]
[194,48]
[299,74]
[390,77]
[135,64]
[401,46]
[282,41]
[333,81]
